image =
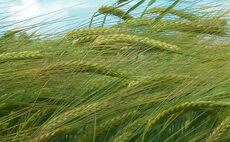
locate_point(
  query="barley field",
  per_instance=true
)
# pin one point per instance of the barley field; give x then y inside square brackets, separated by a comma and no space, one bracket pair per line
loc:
[135,72]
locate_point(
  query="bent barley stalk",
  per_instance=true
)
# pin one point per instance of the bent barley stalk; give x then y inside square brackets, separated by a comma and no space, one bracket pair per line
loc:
[198,27]
[31,120]
[66,117]
[109,124]
[114,11]
[187,106]
[219,131]
[115,121]
[80,66]
[84,39]
[180,13]
[80,33]
[20,55]
[184,107]
[134,40]
[100,128]
[49,136]
[128,132]
[160,78]
[206,27]
[161,15]
[139,22]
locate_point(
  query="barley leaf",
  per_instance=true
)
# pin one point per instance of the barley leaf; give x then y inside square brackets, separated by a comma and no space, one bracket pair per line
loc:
[166,11]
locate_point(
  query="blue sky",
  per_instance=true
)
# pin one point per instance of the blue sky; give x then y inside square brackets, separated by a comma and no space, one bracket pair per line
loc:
[59,13]
[31,8]
[54,15]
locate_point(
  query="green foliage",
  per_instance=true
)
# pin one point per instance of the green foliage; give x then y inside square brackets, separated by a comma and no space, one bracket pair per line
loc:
[135,6]
[121,1]
[167,10]
[138,80]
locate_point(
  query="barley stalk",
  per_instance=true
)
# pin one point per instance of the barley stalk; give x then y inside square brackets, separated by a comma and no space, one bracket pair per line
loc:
[180,13]
[84,39]
[46,135]
[198,27]
[104,126]
[121,1]
[114,11]
[186,106]
[183,107]
[219,131]
[80,66]
[134,39]
[139,22]
[49,136]
[115,121]
[88,32]
[161,15]
[19,55]
[100,128]
[31,120]
[129,131]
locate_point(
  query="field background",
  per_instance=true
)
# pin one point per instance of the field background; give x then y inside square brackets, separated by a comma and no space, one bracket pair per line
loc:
[131,71]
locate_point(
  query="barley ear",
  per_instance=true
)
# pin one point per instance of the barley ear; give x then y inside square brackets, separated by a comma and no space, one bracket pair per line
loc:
[134,40]
[180,13]
[186,106]
[109,124]
[51,128]
[20,55]
[80,66]
[219,131]
[114,11]
[183,107]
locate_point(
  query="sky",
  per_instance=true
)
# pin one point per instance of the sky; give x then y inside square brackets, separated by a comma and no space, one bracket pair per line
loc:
[50,16]
[59,13]
[31,8]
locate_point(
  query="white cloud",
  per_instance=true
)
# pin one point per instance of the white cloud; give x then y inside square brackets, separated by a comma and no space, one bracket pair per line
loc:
[32,8]
[28,12]
[27,9]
